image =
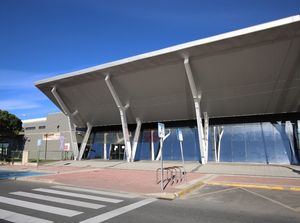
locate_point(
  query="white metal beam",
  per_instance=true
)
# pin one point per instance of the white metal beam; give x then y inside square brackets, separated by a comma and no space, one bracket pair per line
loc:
[105,146]
[197,98]
[160,145]
[70,116]
[206,132]
[136,138]
[220,135]
[85,140]
[122,110]
[152,144]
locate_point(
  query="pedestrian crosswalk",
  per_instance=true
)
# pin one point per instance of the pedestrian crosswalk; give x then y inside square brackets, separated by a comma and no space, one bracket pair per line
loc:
[39,207]
[65,202]
[70,194]
[59,200]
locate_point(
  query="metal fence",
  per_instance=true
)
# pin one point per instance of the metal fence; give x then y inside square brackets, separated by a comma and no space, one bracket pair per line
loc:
[10,156]
[47,156]
[35,156]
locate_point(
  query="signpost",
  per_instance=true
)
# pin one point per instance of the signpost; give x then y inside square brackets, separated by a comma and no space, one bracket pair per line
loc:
[39,144]
[161,134]
[180,138]
[62,142]
[67,147]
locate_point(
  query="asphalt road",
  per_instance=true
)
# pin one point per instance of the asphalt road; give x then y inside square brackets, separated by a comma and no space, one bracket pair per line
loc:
[208,204]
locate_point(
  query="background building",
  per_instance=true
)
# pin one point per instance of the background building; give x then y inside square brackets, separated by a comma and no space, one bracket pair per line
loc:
[54,134]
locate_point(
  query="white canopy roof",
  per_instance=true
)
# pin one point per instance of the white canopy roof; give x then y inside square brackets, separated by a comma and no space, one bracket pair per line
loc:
[245,72]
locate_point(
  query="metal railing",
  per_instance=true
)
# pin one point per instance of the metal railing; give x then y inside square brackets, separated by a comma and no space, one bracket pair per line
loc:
[16,156]
[173,174]
[38,156]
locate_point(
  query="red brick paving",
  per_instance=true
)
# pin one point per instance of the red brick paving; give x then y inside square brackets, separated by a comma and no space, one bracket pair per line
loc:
[137,181]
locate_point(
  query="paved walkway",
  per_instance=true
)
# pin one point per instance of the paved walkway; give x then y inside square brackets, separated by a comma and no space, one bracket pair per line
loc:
[195,167]
[139,177]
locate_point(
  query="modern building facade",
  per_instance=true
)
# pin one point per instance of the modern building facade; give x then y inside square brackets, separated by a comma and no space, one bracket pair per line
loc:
[235,96]
[48,137]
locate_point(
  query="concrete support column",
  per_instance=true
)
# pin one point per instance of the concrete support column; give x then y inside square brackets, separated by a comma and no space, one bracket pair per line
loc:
[196,97]
[152,145]
[122,110]
[125,133]
[200,130]
[105,146]
[206,135]
[136,138]
[70,116]
[85,140]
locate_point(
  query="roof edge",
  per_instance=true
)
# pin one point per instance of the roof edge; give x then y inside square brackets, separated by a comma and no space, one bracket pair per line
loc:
[223,36]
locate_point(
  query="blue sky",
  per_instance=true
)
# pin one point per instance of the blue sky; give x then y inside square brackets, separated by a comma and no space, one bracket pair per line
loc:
[43,38]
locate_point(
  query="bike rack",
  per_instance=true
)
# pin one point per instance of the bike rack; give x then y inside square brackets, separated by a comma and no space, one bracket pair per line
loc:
[176,174]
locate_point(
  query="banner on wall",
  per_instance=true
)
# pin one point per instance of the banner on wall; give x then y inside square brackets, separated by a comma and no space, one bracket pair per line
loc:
[51,136]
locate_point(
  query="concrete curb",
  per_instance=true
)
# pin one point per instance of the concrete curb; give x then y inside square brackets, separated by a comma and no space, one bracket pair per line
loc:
[30,179]
[163,196]
[189,189]
[255,186]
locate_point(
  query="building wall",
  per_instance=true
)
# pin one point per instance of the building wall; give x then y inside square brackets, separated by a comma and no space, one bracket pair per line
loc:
[49,149]
[266,143]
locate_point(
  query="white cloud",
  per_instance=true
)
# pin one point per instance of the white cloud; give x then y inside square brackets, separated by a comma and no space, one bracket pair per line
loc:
[16,104]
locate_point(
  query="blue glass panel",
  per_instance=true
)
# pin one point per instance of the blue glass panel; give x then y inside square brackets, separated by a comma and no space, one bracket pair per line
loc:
[191,144]
[238,147]
[282,146]
[143,151]
[255,146]
[225,149]
[211,148]
[96,146]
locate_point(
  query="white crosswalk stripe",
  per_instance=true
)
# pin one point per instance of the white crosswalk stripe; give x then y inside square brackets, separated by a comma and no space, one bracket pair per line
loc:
[85,196]
[67,196]
[111,214]
[96,191]
[39,207]
[20,218]
[59,200]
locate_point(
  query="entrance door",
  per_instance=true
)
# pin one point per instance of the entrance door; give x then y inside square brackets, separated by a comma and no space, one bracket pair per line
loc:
[117,151]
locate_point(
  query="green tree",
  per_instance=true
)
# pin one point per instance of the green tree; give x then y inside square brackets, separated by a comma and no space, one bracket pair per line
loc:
[10,125]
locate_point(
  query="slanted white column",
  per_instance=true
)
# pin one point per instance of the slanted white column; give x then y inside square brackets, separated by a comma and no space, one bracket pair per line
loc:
[105,146]
[70,116]
[85,140]
[215,144]
[136,138]
[220,135]
[196,97]
[206,132]
[122,110]
[152,145]
[160,145]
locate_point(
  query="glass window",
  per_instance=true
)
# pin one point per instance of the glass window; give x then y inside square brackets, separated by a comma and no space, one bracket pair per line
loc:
[30,128]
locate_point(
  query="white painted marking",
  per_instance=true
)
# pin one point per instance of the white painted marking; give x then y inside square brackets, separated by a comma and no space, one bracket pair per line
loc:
[269,199]
[39,207]
[96,191]
[59,200]
[20,218]
[117,212]
[85,196]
